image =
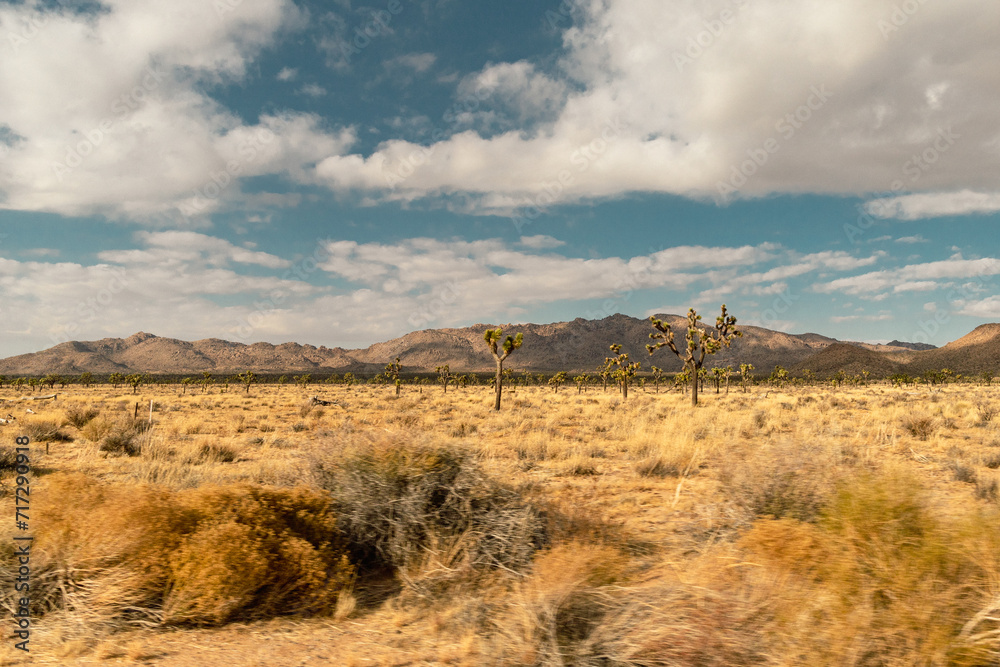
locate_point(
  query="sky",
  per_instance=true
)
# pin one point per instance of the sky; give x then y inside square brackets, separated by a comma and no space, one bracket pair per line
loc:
[339,174]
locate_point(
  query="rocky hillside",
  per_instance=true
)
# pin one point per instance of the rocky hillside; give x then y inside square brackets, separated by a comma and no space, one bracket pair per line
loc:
[580,345]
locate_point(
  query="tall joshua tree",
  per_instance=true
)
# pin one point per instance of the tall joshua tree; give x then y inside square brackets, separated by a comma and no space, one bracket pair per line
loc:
[492,338]
[624,369]
[392,373]
[700,342]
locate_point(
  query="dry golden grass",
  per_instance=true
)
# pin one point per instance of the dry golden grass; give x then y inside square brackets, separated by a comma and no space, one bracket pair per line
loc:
[800,527]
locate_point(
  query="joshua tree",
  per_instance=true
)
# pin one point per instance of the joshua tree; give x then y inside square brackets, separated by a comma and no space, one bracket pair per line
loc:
[746,376]
[779,376]
[657,376]
[492,338]
[304,379]
[444,376]
[683,381]
[33,383]
[247,378]
[116,379]
[580,381]
[51,380]
[986,377]
[206,379]
[604,371]
[623,369]
[349,378]
[392,373]
[700,342]
[718,375]
[135,380]
[86,379]
[557,380]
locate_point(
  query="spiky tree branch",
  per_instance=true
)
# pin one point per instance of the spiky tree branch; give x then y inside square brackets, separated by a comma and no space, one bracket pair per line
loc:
[492,338]
[701,341]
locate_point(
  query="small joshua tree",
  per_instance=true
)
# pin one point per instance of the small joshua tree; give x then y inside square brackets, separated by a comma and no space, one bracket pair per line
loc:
[746,376]
[718,375]
[206,379]
[134,381]
[492,338]
[444,376]
[700,342]
[604,371]
[580,381]
[779,376]
[392,373]
[185,383]
[623,369]
[247,378]
[557,380]
[116,379]
[86,379]
[657,376]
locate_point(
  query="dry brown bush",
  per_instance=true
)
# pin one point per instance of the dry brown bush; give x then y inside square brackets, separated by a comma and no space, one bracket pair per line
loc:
[112,556]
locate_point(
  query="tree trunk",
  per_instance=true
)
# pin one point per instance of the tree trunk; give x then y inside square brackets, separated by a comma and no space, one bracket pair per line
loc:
[499,385]
[624,390]
[694,387]
[397,388]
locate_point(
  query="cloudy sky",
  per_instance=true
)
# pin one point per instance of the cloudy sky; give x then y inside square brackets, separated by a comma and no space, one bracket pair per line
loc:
[339,173]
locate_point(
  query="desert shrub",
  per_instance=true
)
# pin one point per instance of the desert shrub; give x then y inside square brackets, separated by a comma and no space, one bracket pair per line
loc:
[123,437]
[395,500]
[211,452]
[8,459]
[962,473]
[879,575]
[578,609]
[658,466]
[921,427]
[988,489]
[783,480]
[578,465]
[992,462]
[44,431]
[79,416]
[986,411]
[119,555]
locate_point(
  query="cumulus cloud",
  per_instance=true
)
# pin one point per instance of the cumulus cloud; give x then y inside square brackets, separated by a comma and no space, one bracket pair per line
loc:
[934,205]
[711,98]
[105,112]
[914,277]
[193,285]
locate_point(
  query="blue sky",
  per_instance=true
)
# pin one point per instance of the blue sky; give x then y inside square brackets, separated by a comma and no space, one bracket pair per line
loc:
[338,173]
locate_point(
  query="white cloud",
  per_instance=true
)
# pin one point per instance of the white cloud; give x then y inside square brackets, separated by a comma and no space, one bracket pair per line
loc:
[540,241]
[935,205]
[624,113]
[418,62]
[287,74]
[105,112]
[912,277]
[313,90]
[912,239]
[988,308]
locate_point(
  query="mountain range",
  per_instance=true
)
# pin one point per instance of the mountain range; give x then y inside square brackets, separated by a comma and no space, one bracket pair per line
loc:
[579,345]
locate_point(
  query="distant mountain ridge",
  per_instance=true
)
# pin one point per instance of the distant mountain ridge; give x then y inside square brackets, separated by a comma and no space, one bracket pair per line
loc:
[576,346]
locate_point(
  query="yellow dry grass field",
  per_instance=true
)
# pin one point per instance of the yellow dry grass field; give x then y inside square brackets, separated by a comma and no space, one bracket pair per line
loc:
[798,526]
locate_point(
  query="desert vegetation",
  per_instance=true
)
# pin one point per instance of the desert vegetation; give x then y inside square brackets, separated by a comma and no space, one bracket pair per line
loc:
[794,524]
